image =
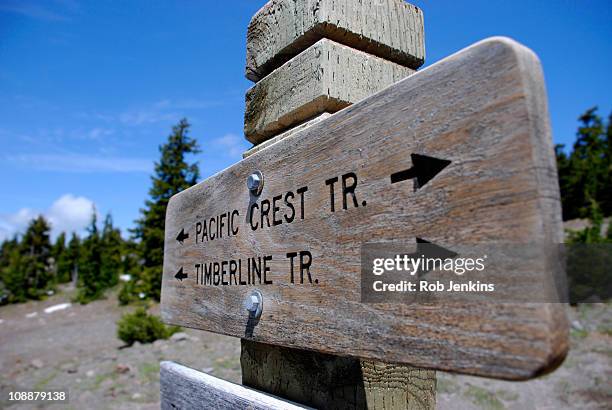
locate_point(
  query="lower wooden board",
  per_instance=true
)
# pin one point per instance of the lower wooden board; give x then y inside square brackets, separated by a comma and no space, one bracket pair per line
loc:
[184,388]
[483,112]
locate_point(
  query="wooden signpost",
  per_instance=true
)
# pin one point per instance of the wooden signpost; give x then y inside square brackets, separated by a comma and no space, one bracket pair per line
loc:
[484,174]
[268,250]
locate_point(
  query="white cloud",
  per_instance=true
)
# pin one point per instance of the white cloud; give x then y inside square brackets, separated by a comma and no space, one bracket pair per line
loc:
[68,213]
[232,144]
[81,163]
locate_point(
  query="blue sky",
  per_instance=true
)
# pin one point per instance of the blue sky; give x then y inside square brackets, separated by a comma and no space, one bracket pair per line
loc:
[90,89]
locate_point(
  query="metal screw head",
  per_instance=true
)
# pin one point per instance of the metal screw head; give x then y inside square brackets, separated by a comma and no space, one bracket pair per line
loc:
[254,304]
[255,182]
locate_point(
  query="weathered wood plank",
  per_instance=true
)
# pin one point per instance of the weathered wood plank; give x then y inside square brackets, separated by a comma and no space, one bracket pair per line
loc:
[184,388]
[281,136]
[332,382]
[391,29]
[484,109]
[324,78]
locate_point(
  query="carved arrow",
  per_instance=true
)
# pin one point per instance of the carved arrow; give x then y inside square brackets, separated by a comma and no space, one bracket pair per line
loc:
[180,275]
[423,169]
[182,236]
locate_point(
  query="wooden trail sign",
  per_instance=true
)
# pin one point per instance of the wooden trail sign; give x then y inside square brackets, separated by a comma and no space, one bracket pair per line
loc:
[458,153]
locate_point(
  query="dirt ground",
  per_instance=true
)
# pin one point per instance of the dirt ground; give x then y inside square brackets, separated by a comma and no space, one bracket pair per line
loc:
[77,349]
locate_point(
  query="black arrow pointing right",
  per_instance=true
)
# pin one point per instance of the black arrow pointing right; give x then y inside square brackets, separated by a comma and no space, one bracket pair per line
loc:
[430,250]
[180,275]
[423,169]
[182,236]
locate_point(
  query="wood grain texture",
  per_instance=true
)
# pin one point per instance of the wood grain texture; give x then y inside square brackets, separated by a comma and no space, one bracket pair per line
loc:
[390,29]
[484,109]
[183,388]
[331,382]
[324,78]
[283,135]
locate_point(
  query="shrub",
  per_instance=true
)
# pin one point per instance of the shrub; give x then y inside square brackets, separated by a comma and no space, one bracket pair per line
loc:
[139,287]
[127,293]
[85,296]
[142,327]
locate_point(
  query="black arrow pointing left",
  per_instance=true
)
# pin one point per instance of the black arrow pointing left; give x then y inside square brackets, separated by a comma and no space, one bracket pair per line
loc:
[182,236]
[180,275]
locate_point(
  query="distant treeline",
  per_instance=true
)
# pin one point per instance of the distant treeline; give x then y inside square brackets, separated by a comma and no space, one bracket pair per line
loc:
[585,174]
[32,265]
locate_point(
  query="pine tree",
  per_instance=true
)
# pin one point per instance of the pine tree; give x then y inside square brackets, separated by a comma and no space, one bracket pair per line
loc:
[7,249]
[63,270]
[606,195]
[14,280]
[35,255]
[73,256]
[90,285]
[585,176]
[172,175]
[112,253]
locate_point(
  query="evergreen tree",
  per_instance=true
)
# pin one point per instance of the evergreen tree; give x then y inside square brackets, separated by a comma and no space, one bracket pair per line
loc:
[112,252]
[35,255]
[73,256]
[585,176]
[606,172]
[90,285]
[63,270]
[13,279]
[172,175]
[6,249]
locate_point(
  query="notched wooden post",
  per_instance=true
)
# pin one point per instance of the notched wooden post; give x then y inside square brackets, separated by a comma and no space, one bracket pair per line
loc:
[328,381]
[337,54]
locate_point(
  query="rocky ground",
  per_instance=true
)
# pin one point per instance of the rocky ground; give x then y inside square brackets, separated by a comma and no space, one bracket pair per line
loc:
[584,381]
[76,348]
